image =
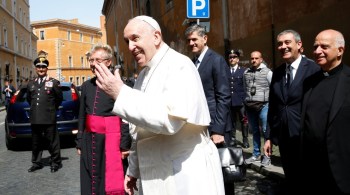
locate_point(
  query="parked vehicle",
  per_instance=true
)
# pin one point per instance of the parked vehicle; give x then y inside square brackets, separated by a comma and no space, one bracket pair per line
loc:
[17,123]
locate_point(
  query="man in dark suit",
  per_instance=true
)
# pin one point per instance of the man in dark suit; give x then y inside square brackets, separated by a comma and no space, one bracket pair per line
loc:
[237,97]
[325,119]
[44,96]
[214,73]
[8,91]
[285,104]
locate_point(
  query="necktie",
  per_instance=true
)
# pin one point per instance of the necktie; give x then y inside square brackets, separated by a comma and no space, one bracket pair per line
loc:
[197,63]
[289,72]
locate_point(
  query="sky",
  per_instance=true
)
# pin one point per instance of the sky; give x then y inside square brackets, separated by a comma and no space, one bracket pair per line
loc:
[88,12]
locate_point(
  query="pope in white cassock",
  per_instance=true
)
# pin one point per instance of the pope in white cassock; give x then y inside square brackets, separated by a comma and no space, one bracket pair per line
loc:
[171,152]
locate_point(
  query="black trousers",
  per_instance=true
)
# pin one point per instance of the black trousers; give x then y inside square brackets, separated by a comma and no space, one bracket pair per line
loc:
[290,156]
[41,135]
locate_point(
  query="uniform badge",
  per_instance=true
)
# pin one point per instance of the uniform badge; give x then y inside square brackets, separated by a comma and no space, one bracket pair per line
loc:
[49,84]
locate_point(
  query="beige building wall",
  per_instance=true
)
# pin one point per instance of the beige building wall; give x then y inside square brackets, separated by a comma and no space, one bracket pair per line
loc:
[67,43]
[17,42]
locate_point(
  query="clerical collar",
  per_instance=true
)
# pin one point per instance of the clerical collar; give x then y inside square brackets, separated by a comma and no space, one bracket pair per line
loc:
[334,70]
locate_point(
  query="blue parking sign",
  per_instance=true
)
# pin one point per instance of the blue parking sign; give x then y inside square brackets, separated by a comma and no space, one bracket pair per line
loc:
[198,9]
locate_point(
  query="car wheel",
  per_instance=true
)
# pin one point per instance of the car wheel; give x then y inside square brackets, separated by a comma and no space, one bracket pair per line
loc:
[9,142]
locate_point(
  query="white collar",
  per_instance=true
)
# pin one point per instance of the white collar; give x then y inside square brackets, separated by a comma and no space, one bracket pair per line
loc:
[201,56]
[158,56]
[296,63]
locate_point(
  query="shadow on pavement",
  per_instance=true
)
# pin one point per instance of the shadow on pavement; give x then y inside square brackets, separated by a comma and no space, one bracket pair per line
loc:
[25,144]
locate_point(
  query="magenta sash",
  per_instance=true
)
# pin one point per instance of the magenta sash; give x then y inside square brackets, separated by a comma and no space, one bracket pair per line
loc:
[114,174]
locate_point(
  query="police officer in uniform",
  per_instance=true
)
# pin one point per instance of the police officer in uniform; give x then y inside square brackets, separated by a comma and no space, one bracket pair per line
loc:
[44,97]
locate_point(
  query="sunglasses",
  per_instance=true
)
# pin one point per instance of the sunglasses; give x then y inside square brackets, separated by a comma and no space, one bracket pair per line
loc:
[233,57]
[41,66]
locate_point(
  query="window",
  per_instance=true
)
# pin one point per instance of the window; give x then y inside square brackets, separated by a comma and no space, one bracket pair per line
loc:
[70,63]
[24,19]
[7,71]
[77,81]
[81,37]
[20,15]
[5,37]
[22,46]
[82,61]
[18,75]
[42,35]
[16,44]
[71,79]
[92,39]
[14,8]
[82,79]
[68,35]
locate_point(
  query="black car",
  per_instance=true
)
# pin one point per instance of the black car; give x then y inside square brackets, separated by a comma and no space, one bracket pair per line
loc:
[17,123]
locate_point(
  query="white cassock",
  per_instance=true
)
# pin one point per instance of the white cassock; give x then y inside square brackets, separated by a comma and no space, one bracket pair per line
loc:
[172,152]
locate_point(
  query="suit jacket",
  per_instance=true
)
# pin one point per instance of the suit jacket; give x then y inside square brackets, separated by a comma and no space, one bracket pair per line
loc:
[338,130]
[7,98]
[44,100]
[214,73]
[285,105]
[11,93]
[236,86]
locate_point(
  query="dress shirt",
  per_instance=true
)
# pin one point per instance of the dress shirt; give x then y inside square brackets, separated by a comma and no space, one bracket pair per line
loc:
[201,56]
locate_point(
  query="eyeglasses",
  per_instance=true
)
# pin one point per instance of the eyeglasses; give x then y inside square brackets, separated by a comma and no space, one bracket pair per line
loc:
[98,60]
[233,57]
[40,66]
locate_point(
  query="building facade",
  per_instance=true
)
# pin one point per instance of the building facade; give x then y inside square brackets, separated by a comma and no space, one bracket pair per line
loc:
[17,42]
[67,44]
[246,25]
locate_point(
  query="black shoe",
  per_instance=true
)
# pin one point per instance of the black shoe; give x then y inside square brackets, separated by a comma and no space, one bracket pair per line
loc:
[34,168]
[54,168]
[233,143]
[245,145]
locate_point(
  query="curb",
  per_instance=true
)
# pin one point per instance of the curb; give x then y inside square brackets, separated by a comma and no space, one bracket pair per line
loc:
[272,171]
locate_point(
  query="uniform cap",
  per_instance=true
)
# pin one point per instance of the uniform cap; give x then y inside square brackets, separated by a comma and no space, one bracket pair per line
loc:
[236,52]
[41,61]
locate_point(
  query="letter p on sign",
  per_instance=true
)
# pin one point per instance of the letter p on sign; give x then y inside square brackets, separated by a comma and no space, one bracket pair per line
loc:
[198,9]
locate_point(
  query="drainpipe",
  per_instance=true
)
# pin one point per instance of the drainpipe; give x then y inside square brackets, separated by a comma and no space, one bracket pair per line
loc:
[273,41]
[225,25]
